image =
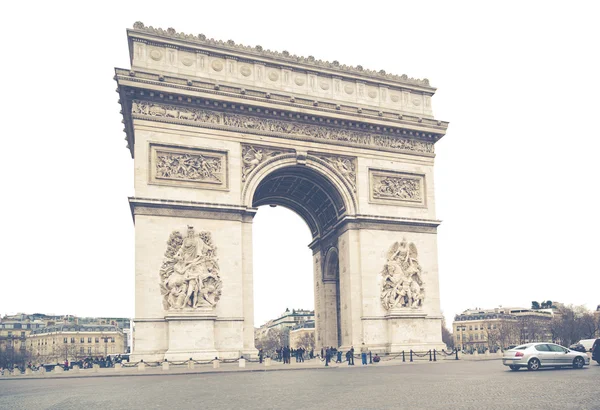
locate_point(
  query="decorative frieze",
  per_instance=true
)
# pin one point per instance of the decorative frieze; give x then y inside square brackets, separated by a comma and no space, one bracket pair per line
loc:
[189,275]
[202,117]
[254,155]
[397,187]
[193,167]
[402,284]
[346,166]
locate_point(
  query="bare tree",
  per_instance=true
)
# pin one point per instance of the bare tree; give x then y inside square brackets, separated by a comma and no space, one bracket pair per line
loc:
[573,323]
[273,339]
[307,341]
[447,336]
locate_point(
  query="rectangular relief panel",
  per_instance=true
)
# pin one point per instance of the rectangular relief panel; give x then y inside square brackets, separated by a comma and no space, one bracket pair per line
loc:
[397,188]
[191,167]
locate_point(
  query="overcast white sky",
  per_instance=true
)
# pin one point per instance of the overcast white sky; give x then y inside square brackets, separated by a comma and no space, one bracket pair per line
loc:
[516,176]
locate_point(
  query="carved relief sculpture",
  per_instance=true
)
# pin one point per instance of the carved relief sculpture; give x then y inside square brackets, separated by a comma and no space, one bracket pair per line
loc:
[402,282]
[253,155]
[406,189]
[397,188]
[208,118]
[189,275]
[188,167]
[345,166]
[193,167]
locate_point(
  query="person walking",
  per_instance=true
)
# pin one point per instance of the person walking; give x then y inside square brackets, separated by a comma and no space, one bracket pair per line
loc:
[351,363]
[363,353]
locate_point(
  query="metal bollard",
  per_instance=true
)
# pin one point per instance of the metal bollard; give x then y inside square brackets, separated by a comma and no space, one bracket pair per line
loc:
[429,354]
[411,359]
[434,358]
[456,354]
[403,358]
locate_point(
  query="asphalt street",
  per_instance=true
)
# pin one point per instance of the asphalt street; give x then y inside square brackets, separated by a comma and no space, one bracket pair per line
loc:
[441,385]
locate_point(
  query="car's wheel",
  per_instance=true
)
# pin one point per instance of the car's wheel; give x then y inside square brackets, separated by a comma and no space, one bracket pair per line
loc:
[578,363]
[534,364]
[513,367]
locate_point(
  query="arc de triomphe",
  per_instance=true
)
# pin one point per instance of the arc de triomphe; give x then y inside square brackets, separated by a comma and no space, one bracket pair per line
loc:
[217,129]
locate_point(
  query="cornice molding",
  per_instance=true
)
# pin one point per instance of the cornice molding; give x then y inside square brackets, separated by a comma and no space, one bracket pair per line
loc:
[282,57]
[364,113]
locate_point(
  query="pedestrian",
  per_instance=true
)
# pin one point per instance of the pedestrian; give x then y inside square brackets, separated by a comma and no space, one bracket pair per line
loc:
[327,356]
[260,355]
[351,361]
[376,358]
[339,356]
[363,353]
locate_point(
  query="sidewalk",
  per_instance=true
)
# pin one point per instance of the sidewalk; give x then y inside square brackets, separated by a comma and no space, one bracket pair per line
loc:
[313,364]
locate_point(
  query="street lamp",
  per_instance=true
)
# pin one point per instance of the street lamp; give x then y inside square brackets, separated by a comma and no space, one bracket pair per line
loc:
[105,346]
[462,328]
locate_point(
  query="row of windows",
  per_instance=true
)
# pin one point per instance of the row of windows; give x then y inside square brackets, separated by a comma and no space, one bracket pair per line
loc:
[97,339]
[481,327]
[464,337]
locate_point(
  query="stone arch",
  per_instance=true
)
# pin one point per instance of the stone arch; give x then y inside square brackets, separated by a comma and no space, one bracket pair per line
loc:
[289,180]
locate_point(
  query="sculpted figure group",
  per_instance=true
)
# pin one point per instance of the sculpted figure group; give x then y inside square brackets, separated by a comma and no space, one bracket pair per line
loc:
[402,282]
[190,274]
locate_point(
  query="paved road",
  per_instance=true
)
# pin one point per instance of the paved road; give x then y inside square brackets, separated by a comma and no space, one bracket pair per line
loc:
[442,385]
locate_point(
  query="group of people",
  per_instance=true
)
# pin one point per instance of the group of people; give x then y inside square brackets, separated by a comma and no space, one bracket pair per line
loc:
[286,353]
[329,352]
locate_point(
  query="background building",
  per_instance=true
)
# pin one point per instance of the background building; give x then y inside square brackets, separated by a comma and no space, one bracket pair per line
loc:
[483,329]
[57,343]
[303,335]
[35,337]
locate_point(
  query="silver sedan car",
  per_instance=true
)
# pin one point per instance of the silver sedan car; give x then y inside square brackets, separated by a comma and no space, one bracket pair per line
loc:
[536,355]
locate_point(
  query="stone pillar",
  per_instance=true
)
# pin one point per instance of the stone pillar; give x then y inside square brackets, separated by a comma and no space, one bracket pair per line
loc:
[216,363]
[75,369]
[58,369]
[118,367]
[268,362]
[141,367]
[242,362]
[165,366]
[95,368]
[249,349]
[28,372]
[190,364]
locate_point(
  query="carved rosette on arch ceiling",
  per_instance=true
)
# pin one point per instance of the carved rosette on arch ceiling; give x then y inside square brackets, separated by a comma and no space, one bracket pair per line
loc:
[189,275]
[402,282]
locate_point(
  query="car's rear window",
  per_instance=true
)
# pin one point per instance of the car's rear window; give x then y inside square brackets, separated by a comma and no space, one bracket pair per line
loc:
[522,347]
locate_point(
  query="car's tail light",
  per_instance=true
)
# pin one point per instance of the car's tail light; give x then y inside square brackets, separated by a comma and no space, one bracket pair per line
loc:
[519,354]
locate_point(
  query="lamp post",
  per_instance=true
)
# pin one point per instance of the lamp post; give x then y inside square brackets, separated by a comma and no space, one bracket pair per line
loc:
[105,346]
[462,328]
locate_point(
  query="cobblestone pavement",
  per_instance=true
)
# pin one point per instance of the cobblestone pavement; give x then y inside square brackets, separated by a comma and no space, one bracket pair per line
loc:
[442,385]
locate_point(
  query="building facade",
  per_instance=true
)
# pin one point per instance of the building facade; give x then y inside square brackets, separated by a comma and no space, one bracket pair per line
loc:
[493,329]
[57,343]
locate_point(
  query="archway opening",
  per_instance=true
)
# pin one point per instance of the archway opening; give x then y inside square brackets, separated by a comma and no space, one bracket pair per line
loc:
[315,199]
